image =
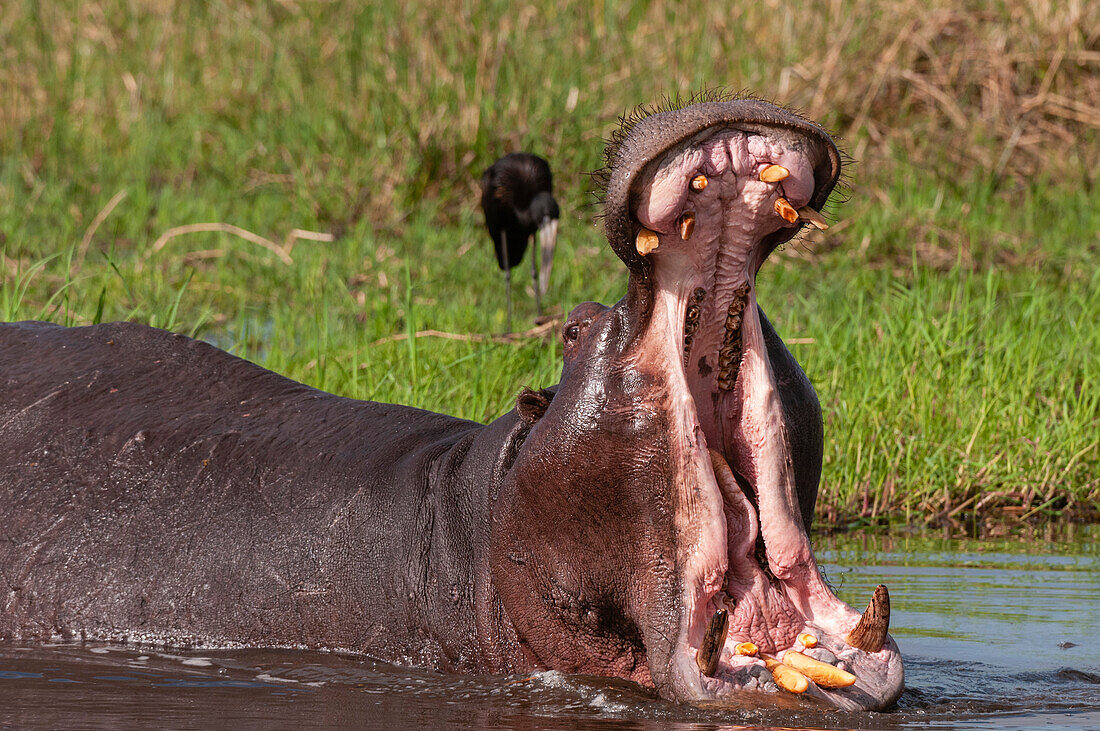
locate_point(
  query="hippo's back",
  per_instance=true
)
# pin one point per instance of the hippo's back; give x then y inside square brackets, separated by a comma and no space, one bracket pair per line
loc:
[153,483]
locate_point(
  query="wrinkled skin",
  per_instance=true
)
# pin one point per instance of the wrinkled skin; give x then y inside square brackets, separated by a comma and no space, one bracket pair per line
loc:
[155,488]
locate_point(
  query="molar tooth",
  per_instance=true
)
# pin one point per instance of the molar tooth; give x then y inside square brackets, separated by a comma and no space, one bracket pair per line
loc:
[808,214]
[646,242]
[821,673]
[774,174]
[786,210]
[687,225]
[699,183]
[785,676]
[870,634]
[713,642]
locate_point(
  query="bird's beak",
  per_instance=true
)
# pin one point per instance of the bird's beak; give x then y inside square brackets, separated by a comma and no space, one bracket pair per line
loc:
[548,238]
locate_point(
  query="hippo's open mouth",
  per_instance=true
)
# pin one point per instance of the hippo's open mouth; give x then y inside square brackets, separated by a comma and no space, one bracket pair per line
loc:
[705,213]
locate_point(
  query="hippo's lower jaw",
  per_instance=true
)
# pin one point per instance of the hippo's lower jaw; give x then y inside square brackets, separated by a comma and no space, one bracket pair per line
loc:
[706,211]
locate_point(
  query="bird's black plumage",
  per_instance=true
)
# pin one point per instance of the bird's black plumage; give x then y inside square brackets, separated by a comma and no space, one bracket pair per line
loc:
[518,201]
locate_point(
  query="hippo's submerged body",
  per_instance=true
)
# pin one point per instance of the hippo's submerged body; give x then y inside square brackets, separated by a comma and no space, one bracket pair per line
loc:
[155,487]
[644,519]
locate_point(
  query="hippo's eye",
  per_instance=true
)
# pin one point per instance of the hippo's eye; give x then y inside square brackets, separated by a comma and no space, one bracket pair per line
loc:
[572,332]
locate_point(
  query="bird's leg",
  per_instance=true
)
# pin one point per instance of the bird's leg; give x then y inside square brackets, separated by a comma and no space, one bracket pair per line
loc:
[535,281]
[507,280]
[508,297]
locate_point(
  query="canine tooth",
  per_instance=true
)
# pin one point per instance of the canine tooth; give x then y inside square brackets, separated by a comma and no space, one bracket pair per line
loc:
[774,174]
[807,640]
[646,242]
[687,225]
[713,642]
[808,214]
[786,210]
[747,649]
[785,676]
[699,182]
[870,634]
[821,673]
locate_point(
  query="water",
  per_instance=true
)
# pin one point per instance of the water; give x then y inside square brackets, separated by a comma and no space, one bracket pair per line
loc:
[995,635]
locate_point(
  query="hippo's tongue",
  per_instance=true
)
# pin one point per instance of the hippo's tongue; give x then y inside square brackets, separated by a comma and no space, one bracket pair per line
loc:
[757,436]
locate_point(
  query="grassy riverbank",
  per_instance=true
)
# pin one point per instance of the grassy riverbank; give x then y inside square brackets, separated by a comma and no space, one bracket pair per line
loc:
[948,321]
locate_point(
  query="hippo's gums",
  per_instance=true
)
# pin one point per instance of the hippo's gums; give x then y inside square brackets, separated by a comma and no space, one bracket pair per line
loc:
[647,518]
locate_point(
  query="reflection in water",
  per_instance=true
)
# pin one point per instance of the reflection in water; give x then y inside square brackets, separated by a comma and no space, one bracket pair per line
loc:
[994,635]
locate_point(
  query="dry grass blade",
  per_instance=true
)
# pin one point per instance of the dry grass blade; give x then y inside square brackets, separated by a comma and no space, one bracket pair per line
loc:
[100,217]
[536,332]
[227,228]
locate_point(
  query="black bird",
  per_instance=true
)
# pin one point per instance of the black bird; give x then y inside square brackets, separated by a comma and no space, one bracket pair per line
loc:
[518,201]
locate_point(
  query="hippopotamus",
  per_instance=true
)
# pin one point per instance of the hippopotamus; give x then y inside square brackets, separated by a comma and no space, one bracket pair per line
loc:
[646,518]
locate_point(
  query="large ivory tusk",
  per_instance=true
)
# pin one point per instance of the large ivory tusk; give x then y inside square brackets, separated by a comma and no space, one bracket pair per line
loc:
[870,634]
[713,642]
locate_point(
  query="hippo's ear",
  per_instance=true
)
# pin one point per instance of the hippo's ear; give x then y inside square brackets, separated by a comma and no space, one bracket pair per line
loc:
[531,404]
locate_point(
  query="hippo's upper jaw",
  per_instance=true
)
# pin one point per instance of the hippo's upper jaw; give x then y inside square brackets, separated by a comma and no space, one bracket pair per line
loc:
[699,436]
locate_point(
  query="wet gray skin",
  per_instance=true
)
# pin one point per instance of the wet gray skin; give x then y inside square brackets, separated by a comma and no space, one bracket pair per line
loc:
[154,488]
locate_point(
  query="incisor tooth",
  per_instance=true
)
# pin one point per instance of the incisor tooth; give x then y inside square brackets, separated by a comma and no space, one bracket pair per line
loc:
[786,210]
[687,225]
[774,174]
[808,214]
[699,183]
[785,676]
[646,242]
[821,673]
[713,642]
[807,640]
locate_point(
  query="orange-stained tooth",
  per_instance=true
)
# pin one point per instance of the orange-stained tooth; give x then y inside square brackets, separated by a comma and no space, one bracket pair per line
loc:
[699,183]
[774,174]
[687,225]
[807,640]
[786,210]
[808,214]
[822,673]
[646,242]
[785,676]
[746,649]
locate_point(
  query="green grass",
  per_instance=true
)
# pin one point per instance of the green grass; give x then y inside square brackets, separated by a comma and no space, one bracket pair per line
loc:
[952,309]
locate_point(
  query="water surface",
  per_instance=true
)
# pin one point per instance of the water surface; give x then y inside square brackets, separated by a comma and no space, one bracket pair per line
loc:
[994,634]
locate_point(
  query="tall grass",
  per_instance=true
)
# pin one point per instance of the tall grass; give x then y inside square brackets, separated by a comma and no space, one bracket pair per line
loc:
[951,307]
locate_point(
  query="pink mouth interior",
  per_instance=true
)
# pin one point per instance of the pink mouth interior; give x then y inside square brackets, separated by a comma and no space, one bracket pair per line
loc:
[707,331]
